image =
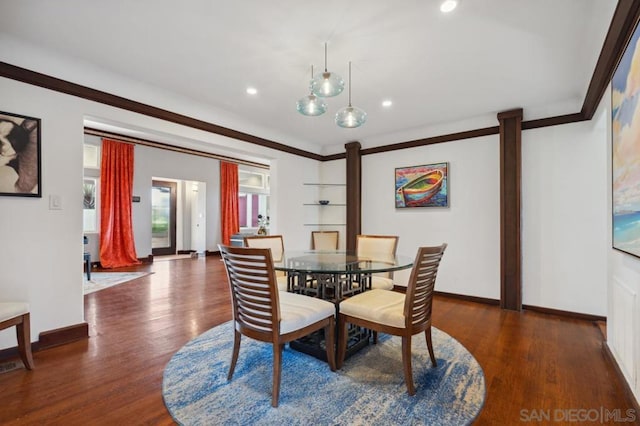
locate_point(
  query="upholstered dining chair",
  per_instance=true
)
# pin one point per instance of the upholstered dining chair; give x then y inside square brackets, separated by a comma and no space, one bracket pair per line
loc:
[396,313]
[276,244]
[324,240]
[380,248]
[17,313]
[263,313]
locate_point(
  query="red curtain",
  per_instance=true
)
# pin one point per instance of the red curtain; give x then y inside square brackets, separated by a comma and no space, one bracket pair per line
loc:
[229,201]
[117,247]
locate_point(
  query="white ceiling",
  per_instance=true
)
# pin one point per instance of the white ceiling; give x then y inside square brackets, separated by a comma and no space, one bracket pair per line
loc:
[485,57]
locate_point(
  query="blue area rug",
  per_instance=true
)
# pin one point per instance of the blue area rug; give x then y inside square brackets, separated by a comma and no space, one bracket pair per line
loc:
[368,390]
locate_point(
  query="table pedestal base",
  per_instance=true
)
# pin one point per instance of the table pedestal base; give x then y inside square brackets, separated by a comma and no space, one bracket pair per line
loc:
[333,287]
[314,344]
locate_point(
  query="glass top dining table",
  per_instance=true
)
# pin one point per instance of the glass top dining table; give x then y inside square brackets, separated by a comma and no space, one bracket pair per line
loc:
[339,262]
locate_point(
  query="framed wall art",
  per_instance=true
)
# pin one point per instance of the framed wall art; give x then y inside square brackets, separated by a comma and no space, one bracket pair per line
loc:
[19,155]
[625,145]
[422,186]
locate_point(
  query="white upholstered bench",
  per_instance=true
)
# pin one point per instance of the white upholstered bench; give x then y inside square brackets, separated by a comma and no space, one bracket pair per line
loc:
[16,313]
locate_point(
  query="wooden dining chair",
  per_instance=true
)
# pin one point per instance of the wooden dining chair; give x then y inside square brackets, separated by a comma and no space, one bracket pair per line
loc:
[263,313]
[324,240]
[276,244]
[396,313]
[381,248]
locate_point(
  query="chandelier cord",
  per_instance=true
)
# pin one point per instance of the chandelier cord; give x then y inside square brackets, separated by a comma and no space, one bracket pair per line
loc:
[325,56]
[310,85]
[349,83]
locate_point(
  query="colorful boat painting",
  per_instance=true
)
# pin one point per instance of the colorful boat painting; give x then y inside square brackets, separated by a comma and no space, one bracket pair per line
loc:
[421,189]
[422,186]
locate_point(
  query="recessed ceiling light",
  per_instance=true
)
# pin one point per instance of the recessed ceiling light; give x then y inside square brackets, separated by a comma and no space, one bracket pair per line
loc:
[448,5]
[387,103]
[252,90]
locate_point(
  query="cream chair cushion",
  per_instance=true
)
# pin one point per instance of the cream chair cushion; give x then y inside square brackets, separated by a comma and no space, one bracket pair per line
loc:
[382,249]
[282,281]
[381,283]
[298,311]
[380,306]
[10,310]
[275,243]
[325,240]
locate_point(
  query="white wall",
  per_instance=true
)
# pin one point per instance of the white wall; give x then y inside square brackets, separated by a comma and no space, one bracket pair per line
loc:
[287,194]
[623,322]
[564,216]
[41,249]
[470,225]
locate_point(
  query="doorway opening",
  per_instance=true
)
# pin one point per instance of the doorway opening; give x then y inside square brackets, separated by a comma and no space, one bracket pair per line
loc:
[178,217]
[163,217]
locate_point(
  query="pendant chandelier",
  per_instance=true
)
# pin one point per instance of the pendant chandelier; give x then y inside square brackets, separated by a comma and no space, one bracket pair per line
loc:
[311,105]
[330,84]
[350,117]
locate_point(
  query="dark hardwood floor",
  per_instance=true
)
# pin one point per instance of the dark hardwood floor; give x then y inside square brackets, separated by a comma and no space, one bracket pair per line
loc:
[533,363]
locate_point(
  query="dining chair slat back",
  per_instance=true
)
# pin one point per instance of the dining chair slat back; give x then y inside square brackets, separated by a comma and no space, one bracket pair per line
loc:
[276,244]
[254,301]
[419,296]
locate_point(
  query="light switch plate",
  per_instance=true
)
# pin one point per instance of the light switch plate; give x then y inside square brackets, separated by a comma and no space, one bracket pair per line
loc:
[55,202]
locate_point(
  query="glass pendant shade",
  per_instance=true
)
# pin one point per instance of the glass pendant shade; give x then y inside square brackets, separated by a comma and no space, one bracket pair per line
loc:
[448,5]
[327,84]
[351,117]
[311,106]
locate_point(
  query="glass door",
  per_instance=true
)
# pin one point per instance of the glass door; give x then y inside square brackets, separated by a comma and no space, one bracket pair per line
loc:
[163,218]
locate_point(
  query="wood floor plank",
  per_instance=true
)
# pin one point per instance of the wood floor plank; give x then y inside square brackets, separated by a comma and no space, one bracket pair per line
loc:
[531,361]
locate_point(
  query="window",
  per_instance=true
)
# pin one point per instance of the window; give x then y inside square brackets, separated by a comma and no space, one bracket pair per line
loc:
[90,205]
[251,179]
[90,190]
[250,206]
[253,197]
[91,156]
